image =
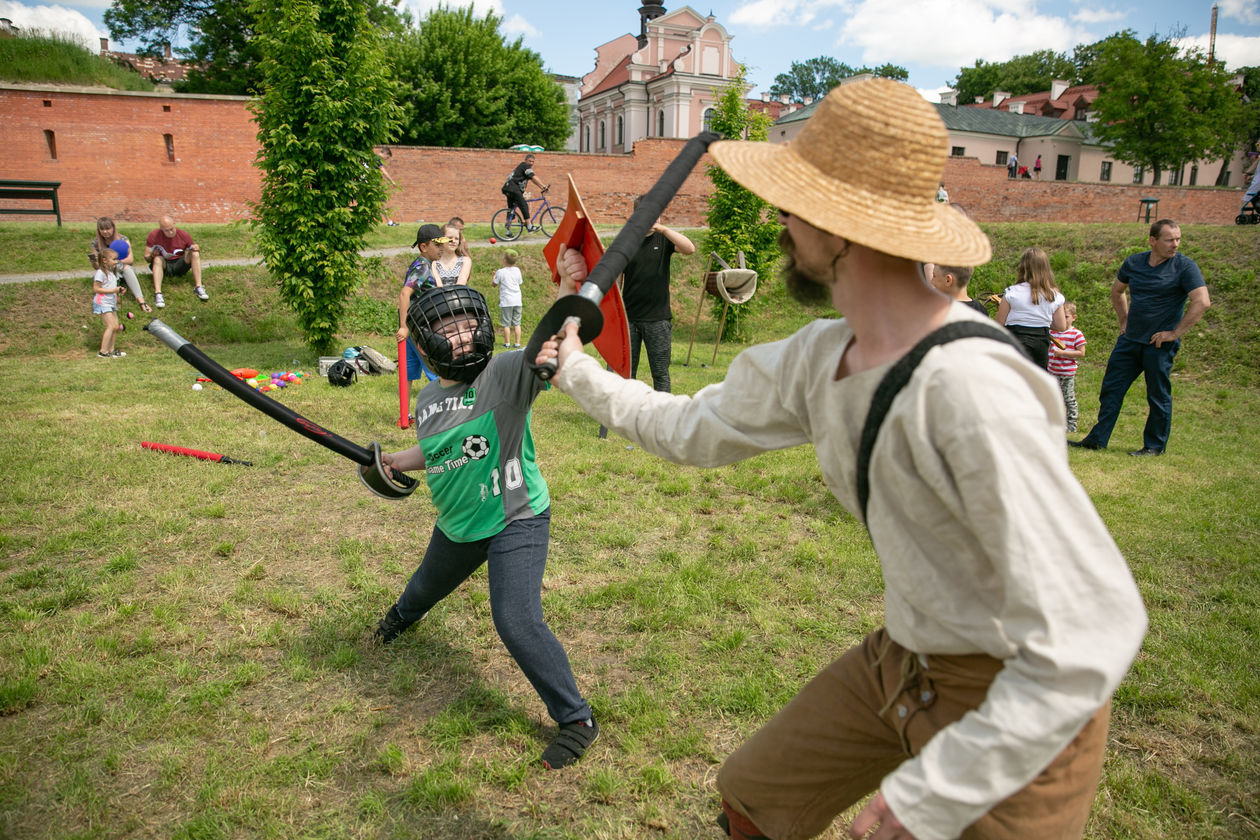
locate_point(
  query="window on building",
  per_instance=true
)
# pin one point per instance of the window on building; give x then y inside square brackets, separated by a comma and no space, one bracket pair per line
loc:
[586,139]
[1175,176]
[1137,174]
[1194,175]
[50,137]
[1002,158]
[958,151]
[1223,180]
[166,109]
[660,123]
[1105,174]
[620,132]
[708,120]
[603,136]
[169,139]
[47,103]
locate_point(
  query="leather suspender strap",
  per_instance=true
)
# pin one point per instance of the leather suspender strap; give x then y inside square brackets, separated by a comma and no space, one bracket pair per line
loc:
[897,377]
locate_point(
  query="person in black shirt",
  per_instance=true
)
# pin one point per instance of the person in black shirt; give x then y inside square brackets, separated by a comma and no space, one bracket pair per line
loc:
[514,188]
[645,292]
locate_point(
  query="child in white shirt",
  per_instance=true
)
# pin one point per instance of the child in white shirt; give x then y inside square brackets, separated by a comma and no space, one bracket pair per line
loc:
[509,280]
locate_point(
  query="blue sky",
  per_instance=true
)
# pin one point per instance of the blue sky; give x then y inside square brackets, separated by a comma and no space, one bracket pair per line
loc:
[931,38]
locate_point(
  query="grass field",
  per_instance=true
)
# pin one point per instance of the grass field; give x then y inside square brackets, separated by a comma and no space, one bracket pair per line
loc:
[185,646]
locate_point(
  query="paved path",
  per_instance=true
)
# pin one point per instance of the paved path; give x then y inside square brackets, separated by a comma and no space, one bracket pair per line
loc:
[143,270]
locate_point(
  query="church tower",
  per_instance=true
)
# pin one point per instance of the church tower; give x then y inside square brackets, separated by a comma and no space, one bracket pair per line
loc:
[649,11]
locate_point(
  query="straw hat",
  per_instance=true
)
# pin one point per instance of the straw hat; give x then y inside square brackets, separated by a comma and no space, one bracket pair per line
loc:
[866,167]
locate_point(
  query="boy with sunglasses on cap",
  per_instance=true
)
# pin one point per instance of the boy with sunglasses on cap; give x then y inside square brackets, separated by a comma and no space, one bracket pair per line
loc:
[419,276]
[477,453]
[981,708]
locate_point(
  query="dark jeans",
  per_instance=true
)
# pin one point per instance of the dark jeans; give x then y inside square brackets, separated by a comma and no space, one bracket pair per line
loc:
[658,337]
[1129,360]
[515,558]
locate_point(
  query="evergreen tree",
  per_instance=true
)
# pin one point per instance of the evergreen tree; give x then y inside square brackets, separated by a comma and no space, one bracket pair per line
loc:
[326,101]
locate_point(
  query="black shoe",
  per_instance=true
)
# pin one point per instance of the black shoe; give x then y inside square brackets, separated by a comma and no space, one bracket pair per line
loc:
[1145,450]
[391,626]
[570,744]
[1084,443]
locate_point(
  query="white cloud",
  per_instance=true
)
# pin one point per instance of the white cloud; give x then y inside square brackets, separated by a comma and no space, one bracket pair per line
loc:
[762,13]
[1091,16]
[1247,11]
[53,19]
[954,33]
[1235,50]
[518,25]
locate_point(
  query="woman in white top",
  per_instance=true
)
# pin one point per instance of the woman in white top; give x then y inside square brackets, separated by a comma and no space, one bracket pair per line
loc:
[1033,306]
[451,269]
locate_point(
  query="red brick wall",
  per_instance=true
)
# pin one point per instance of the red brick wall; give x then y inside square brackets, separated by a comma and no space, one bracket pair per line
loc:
[989,196]
[112,160]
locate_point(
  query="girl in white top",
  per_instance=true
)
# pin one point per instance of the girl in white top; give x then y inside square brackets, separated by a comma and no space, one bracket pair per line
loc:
[105,299]
[451,269]
[1033,306]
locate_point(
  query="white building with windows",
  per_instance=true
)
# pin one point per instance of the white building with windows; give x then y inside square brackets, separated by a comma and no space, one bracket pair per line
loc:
[662,83]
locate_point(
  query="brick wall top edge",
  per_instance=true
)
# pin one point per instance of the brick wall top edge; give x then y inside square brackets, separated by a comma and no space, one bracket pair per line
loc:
[101,91]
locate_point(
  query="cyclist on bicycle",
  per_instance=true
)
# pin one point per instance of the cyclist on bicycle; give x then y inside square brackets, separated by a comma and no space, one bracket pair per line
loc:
[514,189]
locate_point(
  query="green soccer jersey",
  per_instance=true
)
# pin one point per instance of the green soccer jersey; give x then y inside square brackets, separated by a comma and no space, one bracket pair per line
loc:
[478,450]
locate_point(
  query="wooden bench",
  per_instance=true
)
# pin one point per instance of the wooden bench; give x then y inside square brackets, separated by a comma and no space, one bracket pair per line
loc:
[31,191]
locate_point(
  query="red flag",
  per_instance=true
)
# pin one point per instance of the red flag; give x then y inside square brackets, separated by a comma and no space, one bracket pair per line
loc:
[576,230]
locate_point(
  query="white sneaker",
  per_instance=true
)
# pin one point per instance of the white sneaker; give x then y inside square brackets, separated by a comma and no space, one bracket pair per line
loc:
[201,293]
[159,301]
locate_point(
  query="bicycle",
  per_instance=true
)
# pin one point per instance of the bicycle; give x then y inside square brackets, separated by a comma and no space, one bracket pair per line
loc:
[507,225]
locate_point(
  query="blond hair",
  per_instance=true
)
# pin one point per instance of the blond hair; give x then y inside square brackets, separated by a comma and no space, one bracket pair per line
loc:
[1034,269]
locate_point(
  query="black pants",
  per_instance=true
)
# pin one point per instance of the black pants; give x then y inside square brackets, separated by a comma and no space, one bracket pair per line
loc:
[516,199]
[1036,341]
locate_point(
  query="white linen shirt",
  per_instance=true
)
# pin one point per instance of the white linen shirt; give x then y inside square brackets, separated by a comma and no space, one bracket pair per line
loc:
[987,542]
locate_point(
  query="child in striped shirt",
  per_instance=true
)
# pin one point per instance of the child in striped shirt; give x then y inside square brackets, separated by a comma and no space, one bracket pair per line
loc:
[1066,349]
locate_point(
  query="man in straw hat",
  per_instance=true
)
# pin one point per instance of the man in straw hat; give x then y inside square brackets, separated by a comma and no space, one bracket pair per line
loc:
[981,708]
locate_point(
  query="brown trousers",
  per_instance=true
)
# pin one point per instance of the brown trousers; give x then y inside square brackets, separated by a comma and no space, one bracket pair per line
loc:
[864,715]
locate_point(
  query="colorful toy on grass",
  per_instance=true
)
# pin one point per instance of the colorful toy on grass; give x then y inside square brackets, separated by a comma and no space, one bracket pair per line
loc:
[268,382]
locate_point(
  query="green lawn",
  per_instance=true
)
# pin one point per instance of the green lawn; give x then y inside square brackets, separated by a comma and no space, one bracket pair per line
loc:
[185,646]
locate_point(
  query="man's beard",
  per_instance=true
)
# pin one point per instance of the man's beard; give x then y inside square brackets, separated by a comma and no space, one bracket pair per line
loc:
[802,287]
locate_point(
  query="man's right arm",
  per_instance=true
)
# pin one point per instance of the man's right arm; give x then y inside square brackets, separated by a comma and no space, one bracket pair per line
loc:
[1120,302]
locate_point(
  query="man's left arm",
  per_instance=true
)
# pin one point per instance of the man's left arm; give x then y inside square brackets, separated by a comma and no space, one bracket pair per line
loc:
[1197,302]
[682,244]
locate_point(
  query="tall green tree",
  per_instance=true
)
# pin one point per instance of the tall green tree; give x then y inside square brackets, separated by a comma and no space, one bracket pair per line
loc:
[1018,76]
[220,36]
[327,99]
[1160,105]
[738,219]
[467,86]
[815,77]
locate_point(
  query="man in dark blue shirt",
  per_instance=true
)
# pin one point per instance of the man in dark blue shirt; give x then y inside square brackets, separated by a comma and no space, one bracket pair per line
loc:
[1166,297]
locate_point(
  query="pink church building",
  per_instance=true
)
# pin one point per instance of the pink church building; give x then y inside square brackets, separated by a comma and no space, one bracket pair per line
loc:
[661,83]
